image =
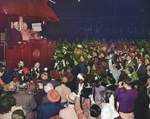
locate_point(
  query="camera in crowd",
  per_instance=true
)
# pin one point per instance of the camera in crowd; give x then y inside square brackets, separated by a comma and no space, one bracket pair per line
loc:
[105,95]
[19,67]
[87,91]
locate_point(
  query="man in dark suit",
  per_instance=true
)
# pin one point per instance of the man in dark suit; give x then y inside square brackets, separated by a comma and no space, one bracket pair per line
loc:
[16,36]
[141,69]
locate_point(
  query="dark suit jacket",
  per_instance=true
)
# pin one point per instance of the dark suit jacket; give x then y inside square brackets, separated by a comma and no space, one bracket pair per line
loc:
[142,69]
[15,35]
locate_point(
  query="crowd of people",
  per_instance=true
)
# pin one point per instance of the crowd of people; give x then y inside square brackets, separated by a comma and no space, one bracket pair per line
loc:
[101,82]
[77,92]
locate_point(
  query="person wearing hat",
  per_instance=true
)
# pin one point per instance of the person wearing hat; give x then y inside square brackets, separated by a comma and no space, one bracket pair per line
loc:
[54,74]
[126,97]
[64,90]
[69,111]
[141,67]
[26,100]
[47,88]
[70,83]
[85,106]
[50,109]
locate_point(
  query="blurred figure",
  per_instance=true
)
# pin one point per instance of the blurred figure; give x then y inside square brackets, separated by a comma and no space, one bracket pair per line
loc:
[18,114]
[36,71]
[1,74]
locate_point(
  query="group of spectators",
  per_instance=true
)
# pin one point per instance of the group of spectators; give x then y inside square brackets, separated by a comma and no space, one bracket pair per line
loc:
[76,93]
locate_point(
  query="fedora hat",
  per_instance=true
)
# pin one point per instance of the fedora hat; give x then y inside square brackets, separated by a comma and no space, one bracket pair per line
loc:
[54,74]
[71,97]
[48,87]
[53,95]
[68,75]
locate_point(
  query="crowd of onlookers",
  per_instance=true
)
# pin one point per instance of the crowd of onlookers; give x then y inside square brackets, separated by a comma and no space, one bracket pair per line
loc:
[79,92]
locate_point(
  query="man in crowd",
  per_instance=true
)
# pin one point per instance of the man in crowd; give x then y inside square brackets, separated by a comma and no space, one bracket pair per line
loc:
[16,36]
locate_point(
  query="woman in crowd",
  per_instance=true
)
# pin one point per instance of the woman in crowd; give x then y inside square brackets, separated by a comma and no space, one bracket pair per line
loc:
[126,98]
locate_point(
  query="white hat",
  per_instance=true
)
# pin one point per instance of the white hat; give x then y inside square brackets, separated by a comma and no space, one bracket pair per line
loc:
[48,87]
[71,97]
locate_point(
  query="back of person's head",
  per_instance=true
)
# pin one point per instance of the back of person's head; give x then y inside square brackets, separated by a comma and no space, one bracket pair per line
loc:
[81,77]
[67,75]
[18,114]
[89,79]
[85,92]
[128,81]
[6,103]
[31,87]
[96,82]
[95,110]
[107,95]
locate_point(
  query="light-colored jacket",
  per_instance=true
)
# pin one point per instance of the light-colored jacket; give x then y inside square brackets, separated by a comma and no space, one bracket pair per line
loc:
[68,113]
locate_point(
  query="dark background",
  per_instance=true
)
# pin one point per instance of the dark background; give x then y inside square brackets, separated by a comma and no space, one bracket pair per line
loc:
[109,19]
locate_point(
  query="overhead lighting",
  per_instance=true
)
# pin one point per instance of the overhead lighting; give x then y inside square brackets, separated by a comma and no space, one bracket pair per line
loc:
[52,1]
